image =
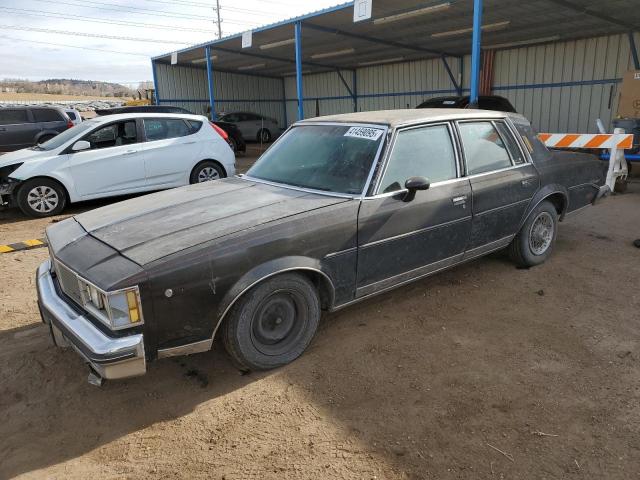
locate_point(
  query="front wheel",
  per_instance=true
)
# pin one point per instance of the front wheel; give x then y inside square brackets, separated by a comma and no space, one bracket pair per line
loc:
[206,171]
[534,243]
[273,323]
[41,197]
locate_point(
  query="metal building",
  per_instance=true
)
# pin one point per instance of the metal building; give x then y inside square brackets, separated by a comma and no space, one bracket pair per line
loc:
[558,61]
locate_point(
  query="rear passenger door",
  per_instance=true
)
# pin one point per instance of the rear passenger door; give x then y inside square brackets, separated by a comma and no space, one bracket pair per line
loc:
[172,150]
[502,183]
[49,120]
[17,129]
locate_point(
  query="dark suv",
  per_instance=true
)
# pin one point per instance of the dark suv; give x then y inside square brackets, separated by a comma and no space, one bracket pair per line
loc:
[485,102]
[22,127]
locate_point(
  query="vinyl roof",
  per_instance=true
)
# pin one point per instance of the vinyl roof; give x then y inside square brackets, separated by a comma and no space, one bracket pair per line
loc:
[330,38]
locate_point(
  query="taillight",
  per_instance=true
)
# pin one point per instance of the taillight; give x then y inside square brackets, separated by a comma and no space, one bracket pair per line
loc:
[220,131]
[69,124]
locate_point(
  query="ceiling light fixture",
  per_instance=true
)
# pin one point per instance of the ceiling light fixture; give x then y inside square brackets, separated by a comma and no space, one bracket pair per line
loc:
[281,43]
[381,62]
[412,13]
[346,51]
[523,42]
[251,67]
[203,60]
[490,27]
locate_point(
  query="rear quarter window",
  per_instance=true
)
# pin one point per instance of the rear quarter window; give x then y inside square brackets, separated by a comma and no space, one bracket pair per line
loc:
[46,115]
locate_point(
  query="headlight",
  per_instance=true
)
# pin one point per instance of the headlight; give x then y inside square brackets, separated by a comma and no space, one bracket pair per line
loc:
[119,309]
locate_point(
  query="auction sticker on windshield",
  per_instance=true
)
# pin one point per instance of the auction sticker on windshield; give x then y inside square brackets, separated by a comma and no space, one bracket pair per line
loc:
[364,132]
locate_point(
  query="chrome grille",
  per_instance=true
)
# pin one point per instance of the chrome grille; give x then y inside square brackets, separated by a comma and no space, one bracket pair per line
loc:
[68,282]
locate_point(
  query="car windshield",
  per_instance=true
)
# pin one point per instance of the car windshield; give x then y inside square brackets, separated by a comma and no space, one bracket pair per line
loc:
[62,138]
[333,158]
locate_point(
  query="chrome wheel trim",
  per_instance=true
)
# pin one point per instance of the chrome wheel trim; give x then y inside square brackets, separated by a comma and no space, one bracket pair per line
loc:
[207,174]
[43,199]
[541,233]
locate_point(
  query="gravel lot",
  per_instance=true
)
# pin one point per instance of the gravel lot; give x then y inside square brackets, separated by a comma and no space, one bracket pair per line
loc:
[485,371]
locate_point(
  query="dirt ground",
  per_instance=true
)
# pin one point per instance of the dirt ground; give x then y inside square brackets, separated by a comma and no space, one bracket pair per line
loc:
[482,372]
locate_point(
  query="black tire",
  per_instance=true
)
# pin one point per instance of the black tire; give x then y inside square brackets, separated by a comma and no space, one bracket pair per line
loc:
[233,144]
[534,242]
[205,171]
[44,138]
[41,197]
[273,323]
[264,135]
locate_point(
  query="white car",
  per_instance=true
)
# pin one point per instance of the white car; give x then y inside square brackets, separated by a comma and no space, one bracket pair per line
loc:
[253,126]
[114,155]
[74,115]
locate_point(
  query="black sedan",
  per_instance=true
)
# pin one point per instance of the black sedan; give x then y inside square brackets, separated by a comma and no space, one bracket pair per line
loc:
[339,209]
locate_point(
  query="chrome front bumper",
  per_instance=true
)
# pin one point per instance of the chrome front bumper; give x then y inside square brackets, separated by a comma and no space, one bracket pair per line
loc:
[109,357]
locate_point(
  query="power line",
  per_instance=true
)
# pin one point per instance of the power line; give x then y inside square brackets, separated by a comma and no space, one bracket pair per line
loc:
[95,35]
[73,46]
[67,16]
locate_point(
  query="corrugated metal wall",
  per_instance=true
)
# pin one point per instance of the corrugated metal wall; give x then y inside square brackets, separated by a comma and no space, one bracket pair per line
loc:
[187,88]
[560,87]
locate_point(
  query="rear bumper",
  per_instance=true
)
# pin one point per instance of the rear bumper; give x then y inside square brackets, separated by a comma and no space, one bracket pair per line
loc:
[110,357]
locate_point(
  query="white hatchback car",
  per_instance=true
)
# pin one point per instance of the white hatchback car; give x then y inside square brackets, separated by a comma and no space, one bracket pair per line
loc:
[114,155]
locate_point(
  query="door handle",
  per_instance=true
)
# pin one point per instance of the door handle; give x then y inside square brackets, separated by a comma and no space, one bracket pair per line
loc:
[461,200]
[129,152]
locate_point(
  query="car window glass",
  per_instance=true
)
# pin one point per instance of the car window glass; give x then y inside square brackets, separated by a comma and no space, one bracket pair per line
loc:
[164,128]
[72,115]
[420,152]
[46,115]
[484,150]
[113,135]
[13,116]
[62,138]
[194,125]
[512,146]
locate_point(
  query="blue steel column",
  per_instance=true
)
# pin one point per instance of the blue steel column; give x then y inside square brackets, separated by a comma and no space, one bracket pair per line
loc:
[212,100]
[355,91]
[284,103]
[156,92]
[634,51]
[298,30]
[475,52]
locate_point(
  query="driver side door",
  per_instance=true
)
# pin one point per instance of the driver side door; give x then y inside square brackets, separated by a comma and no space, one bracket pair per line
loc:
[401,240]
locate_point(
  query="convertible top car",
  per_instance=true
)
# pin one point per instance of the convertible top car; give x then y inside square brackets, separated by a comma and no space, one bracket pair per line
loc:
[340,208]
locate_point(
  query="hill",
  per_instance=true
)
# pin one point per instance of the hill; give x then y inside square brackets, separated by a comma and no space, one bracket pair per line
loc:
[64,86]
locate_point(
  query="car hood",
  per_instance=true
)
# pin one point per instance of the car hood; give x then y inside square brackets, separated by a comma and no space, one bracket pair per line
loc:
[21,156]
[148,228]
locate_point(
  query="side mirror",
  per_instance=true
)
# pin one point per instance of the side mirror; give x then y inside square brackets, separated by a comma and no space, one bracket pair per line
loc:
[81,145]
[414,184]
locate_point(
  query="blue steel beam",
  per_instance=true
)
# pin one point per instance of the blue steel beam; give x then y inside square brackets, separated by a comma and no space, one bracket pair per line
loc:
[451,76]
[346,85]
[156,92]
[298,38]
[634,51]
[284,103]
[212,100]
[475,52]
[355,91]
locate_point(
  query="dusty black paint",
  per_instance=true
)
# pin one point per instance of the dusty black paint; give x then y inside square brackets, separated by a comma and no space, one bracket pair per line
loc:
[210,242]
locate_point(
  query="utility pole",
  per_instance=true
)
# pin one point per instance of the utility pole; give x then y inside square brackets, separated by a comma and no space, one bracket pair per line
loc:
[219,21]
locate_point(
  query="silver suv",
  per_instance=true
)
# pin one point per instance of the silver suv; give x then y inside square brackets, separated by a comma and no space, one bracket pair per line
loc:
[22,127]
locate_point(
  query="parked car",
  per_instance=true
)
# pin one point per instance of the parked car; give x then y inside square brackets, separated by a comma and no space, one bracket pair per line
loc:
[485,102]
[253,126]
[235,138]
[22,127]
[114,155]
[74,115]
[339,209]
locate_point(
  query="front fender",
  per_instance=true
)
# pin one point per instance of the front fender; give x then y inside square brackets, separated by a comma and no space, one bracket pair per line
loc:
[48,168]
[267,270]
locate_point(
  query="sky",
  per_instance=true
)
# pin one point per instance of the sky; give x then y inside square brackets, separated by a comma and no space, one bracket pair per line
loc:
[41,39]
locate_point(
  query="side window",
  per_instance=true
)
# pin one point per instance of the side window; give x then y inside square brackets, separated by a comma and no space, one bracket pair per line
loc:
[46,115]
[484,150]
[113,135]
[425,152]
[72,115]
[512,145]
[194,125]
[13,116]
[164,128]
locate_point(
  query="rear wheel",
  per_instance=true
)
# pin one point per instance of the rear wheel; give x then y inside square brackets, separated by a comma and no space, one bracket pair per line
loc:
[233,144]
[206,171]
[41,197]
[534,243]
[272,324]
[264,135]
